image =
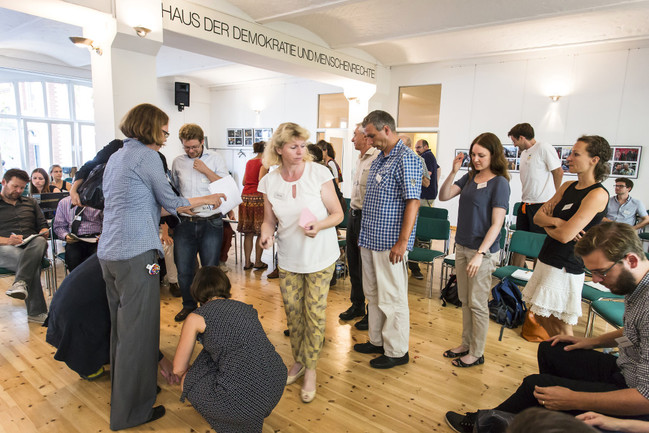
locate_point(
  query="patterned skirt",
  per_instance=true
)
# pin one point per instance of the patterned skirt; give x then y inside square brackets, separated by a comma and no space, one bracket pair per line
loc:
[251,214]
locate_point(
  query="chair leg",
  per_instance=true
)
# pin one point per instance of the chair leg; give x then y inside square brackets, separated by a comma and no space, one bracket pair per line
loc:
[590,321]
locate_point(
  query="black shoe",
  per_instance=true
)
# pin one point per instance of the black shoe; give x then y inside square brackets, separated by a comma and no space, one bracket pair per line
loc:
[183,314]
[158,412]
[333,281]
[417,274]
[461,423]
[351,312]
[367,348]
[175,290]
[287,332]
[362,325]
[387,362]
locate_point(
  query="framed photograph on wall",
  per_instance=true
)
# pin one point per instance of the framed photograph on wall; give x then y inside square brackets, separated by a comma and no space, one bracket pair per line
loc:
[626,161]
[263,134]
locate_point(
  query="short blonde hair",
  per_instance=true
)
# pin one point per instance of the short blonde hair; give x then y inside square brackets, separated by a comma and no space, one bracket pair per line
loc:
[144,122]
[191,131]
[285,133]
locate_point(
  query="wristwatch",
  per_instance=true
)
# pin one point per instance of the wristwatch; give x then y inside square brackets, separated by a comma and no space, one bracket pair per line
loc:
[481,252]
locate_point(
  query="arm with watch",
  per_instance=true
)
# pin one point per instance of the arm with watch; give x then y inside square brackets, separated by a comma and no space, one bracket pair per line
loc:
[497,219]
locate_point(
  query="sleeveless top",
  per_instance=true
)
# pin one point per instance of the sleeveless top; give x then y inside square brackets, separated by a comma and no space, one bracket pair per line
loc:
[251,179]
[557,254]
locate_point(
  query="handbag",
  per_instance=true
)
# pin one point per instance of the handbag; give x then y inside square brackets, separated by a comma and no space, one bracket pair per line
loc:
[532,330]
[91,191]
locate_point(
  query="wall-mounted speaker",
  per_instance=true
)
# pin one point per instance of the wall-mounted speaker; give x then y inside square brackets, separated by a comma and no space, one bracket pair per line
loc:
[181,95]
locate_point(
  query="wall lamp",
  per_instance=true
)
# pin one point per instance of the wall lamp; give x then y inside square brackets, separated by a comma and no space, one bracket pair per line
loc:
[555,98]
[142,31]
[85,42]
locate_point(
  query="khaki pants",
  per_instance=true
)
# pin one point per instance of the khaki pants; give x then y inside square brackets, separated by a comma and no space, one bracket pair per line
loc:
[474,294]
[386,290]
[305,300]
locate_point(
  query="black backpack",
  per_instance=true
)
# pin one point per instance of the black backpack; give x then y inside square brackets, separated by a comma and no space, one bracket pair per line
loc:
[91,191]
[507,307]
[449,292]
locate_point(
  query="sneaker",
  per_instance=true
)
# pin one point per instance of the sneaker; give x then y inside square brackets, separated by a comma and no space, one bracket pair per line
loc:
[461,423]
[363,324]
[224,268]
[417,274]
[18,290]
[174,289]
[351,312]
[39,318]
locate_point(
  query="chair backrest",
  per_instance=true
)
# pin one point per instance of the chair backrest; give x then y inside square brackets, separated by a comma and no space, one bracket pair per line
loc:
[503,238]
[527,243]
[517,206]
[433,212]
[429,229]
[343,224]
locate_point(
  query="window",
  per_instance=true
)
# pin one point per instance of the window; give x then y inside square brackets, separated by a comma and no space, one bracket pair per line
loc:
[419,106]
[45,120]
[333,110]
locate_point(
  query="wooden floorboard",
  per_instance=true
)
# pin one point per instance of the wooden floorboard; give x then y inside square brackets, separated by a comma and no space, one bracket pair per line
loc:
[40,394]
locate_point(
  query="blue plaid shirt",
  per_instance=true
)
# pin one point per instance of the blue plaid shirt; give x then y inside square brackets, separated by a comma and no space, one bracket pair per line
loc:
[135,187]
[392,180]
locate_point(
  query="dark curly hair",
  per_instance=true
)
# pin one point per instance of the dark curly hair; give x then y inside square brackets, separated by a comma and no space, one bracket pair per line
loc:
[599,147]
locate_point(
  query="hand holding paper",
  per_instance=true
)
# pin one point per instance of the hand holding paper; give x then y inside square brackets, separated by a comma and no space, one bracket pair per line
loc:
[231,194]
[308,222]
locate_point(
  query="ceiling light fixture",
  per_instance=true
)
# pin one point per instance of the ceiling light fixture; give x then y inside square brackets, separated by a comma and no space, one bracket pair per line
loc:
[555,98]
[85,42]
[142,31]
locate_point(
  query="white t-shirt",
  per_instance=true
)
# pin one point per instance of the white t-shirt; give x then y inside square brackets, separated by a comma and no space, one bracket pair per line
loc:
[297,252]
[537,162]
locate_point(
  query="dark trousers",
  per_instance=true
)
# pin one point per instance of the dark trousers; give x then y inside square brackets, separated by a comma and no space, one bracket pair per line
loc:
[578,370]
[203,237]
[77,252]
[354,260]
[525,218]
[134,301]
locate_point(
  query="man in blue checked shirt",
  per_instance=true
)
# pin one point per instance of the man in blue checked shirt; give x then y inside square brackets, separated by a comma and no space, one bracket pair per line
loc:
[387,234]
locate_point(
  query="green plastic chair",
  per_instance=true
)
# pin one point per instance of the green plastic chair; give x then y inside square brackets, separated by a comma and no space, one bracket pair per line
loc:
[517,205]
[46,266]
[527,243]
[433,212]
[589,295]
[428,230]
[611,311]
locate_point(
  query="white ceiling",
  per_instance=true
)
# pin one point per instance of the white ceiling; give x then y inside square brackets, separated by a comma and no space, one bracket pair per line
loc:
[394,32]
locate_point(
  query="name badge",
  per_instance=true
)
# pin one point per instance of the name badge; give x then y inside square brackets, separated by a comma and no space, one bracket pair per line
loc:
[378,178]
[279,195]
[482,185]
[568,206]
[623,342]
[626,212]
[205,180]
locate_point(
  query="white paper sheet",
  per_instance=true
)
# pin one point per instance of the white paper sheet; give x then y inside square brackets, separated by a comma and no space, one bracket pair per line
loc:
[229,187]
[522,275]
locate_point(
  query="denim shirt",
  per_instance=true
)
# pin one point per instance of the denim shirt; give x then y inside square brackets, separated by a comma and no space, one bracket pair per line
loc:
[135,187]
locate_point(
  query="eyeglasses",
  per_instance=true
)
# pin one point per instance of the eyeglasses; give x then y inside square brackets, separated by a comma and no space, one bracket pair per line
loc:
[620,186]
[192,147]
[166,133]
[602,273]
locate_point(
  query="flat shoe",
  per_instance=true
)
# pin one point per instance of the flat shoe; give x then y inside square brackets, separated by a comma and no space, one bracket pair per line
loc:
[459,363]
[307,396]
[384,361]
[261,267]
[368,348]
[291,379]
[247,268]
[450,354]
[182,315]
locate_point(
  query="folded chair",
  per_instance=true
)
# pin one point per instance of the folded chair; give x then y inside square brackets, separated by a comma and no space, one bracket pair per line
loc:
[428,230]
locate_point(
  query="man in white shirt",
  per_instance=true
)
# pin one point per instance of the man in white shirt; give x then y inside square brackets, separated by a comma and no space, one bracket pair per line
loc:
[365,159]
[202,232]
[541,174]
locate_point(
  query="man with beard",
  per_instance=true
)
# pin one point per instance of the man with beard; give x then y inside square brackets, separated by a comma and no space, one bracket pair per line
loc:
[573,377]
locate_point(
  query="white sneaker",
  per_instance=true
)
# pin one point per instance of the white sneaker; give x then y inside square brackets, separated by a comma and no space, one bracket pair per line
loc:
[18,290]
[224,268]
[40,318]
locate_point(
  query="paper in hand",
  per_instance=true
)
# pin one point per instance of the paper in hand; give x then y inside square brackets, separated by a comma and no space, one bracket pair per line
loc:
[227,186]
[306,218]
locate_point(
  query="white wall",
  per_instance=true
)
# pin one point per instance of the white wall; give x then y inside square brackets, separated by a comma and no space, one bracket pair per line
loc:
[293,100]
[605,93]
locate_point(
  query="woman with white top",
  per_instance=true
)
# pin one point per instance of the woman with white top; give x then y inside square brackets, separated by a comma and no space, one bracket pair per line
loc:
[300,200]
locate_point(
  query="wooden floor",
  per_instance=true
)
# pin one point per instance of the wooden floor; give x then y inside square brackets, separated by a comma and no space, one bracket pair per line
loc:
[39,394]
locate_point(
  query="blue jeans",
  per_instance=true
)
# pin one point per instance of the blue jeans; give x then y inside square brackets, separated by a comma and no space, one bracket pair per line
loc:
[203,237]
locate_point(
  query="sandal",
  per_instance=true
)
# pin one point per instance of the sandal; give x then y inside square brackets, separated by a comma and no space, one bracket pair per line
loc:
[261,267]
[459,363]
[450,354]
[247,268]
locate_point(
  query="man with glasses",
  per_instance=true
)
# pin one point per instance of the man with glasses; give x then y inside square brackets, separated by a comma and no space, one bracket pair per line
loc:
[573,377]
[202,232]
[626,209]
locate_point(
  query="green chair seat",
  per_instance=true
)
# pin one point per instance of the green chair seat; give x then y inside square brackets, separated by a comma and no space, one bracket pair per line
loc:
[507,271]
[611,311]
[591,294]
[429,229]
[424,255]
[644,236]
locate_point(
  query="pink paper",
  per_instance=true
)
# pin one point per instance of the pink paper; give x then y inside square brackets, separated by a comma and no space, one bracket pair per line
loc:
[306,218]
